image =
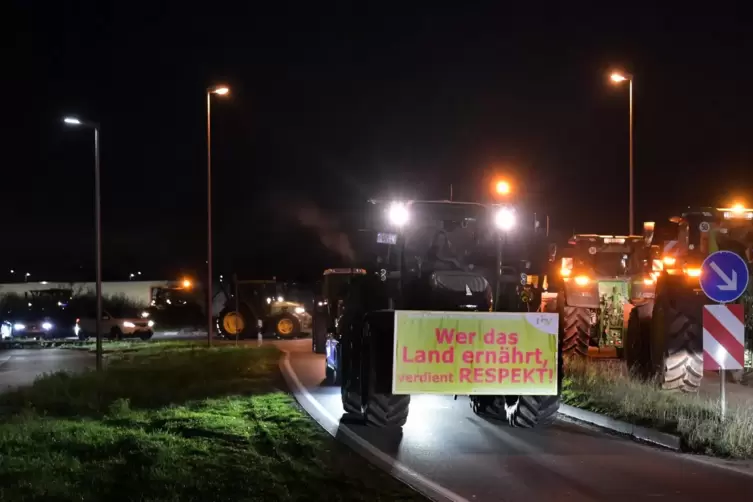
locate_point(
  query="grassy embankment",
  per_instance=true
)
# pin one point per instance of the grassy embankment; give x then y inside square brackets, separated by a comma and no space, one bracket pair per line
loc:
[176,423]
[605,387]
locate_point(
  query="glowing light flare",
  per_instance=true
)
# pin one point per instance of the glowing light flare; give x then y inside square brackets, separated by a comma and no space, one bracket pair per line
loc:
[582,280]
[398,214]
[693,272]
[738,208]
[502,187]
[565,272]
[504,219]
[186,283]
[72,121]
[669,260]
[222,90]
[617,77]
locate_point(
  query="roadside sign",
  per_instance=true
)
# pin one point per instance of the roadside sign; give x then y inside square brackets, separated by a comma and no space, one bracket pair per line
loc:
[723,337]
[724,276]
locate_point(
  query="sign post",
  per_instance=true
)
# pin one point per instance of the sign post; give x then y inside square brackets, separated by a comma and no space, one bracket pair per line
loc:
[724,278]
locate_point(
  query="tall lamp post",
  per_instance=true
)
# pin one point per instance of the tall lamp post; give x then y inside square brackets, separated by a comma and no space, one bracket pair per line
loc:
[618,78]
[73,121]
[220,91]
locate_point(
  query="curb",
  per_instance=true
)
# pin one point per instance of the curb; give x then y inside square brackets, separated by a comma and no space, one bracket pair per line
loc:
[343,434]
[659,438]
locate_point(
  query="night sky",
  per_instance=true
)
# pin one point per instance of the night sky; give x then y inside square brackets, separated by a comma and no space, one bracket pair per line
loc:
[330,106]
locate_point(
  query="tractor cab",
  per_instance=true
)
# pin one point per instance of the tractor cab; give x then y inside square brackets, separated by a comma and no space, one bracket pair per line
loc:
[703,231]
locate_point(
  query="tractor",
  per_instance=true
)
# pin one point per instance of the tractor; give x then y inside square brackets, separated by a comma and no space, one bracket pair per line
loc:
[665,333]
[459,262]
[263,307]
[602,278]
[329,304]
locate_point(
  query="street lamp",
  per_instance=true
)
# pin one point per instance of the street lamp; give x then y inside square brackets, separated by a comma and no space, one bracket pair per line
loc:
[617,78]
[73,121]
[220,91]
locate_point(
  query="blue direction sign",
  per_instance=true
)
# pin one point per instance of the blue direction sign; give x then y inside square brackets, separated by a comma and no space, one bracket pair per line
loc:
[724,276]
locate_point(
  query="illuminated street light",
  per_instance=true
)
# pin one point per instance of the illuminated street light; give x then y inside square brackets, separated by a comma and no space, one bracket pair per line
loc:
[618,78]
[220,91]
[503,187]
[76,122]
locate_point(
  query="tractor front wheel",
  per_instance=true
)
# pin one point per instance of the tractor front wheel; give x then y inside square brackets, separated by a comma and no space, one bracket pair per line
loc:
[577,332]
[287,326]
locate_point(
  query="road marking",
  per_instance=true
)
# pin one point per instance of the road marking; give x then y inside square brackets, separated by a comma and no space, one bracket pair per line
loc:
[426,484]
[4,360]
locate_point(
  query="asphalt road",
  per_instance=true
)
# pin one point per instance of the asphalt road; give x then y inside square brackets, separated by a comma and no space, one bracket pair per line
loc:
[477,460]
[22,366]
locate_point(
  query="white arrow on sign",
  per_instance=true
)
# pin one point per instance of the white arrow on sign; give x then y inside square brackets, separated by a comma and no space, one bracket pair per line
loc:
[729,284]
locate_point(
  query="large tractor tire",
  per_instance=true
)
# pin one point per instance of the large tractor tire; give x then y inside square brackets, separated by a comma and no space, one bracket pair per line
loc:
[518,411]
[350,392]
[577,335]
[637,343]
[234,323]
[677,341]
[286,326]
[381,409]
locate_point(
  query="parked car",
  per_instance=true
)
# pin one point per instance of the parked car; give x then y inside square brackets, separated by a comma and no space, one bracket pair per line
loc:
[117,324]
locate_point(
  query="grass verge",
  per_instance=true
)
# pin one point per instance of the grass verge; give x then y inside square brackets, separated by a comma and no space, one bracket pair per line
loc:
[178,424]
[605,387]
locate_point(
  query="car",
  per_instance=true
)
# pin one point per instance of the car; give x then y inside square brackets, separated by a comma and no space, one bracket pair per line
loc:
[117,323]
[43,316]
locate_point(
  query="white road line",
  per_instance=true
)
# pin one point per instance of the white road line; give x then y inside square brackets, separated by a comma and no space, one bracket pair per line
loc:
[4,359]
[424,485]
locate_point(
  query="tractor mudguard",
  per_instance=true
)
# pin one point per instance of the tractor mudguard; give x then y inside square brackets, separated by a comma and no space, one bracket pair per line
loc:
[582,296]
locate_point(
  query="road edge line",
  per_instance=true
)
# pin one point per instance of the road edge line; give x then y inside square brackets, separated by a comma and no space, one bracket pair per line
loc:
[371,453]
[659,438]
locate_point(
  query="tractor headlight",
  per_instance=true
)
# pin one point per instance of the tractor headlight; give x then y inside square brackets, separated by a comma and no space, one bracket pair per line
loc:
[582,280]
[300,310]
[504,218]
[145,314]
[398,214]
[150,323]
[128,324]
[19,327]
[47,326]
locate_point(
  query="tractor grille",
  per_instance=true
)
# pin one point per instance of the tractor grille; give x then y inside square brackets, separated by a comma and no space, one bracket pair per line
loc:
[458,281]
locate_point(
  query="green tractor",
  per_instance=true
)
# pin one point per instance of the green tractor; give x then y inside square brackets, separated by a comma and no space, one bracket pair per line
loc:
[603,278]
[665,333]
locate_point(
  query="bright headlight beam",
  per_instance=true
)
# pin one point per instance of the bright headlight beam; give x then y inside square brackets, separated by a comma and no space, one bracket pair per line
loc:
[504,219]
[398,214]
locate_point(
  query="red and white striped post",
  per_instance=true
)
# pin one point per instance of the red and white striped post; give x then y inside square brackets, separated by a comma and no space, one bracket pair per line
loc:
[723,342]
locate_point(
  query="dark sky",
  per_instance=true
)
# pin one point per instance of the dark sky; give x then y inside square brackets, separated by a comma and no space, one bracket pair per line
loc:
[333,105]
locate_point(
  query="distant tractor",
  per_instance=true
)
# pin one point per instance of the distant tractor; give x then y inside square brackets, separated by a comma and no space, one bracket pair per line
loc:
[263,307]
[666,332]
[603,278]
[329,304]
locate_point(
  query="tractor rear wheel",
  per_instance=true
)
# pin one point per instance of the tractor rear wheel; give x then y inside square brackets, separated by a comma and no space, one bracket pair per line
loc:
[382,409]
[676,346]
[577,336]
[637,343]
[236,323]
